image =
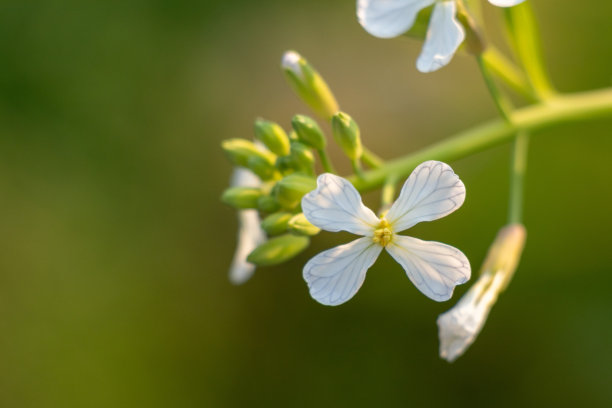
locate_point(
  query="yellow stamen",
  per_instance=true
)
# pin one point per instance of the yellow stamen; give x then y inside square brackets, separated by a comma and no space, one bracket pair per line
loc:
[383,234]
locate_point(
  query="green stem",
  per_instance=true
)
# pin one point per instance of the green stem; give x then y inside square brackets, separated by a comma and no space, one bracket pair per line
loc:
[388,194]
[371,159]
[501,102]
[504,69]
[357,167]
[517,177]
[559,109]
[325,162]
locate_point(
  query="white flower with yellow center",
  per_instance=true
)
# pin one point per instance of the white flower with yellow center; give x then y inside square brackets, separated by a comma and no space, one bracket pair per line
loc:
[391,18]
[432,191]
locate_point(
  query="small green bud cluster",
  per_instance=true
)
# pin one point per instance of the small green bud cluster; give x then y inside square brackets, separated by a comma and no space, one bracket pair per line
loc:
[285,164]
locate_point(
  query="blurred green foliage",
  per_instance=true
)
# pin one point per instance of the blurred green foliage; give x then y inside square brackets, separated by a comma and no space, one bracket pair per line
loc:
[115,246]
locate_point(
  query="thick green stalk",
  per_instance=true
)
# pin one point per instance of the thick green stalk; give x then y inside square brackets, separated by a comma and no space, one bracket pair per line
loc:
[559,109]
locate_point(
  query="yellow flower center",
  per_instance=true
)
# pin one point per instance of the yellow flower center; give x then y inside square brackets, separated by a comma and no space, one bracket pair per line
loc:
[383,233]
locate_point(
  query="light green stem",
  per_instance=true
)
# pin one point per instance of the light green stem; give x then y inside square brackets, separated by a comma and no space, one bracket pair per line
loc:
[371,159]
[325,162]
[559,109]
[504,69]
[501,102]
[517,177]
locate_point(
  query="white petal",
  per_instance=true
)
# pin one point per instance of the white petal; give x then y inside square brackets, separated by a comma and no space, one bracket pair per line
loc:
[433,267]
[505,3]
[444,36]
[250,235]
[432,191]
[244,178]
[389,18]
[335,275]
[336,206]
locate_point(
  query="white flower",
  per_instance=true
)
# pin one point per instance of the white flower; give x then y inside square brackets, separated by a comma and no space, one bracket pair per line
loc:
[390,18]
[250,234]
[432,191]
[459,326]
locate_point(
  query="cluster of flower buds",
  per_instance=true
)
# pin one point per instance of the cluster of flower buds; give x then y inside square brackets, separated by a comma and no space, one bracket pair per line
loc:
[284,163]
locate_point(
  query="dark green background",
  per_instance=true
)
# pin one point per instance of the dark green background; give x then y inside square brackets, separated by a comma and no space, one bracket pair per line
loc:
[114,248]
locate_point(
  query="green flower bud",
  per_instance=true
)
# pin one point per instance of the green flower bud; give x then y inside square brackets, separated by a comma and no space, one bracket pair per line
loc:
[302,157]
[278,250]
[240,150]
[272,136]
[300,225]
[308,131]
[262,166]
[290,190]
[267,204]
[241,197]
[346,133]
[284,163]
[308,84]
[275,224]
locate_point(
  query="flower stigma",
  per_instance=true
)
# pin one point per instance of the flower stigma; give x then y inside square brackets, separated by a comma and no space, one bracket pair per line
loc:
[383,233]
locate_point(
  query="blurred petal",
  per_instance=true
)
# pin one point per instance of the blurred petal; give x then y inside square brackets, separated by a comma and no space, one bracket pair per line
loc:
[336,206]
[432,191]
[505,3]
[242,177]
[459,326]
[250,235]
[335,275]
[444,36]
[389,18]
[433,267]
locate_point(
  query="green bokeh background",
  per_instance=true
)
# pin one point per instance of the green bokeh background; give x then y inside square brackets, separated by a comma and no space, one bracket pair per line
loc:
[115,248]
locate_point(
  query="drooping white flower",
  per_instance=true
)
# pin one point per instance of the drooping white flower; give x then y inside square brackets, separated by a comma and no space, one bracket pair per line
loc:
[250,234]
[390,18]
[432,191]
[459,326]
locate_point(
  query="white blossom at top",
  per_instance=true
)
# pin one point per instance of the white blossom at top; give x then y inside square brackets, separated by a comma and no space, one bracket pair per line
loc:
[250,234]
[432,191]
[390,18]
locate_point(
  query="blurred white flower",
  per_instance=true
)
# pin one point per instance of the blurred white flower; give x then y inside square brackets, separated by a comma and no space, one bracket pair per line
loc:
[390,18]
[250,234]
[432,191]
[459,327]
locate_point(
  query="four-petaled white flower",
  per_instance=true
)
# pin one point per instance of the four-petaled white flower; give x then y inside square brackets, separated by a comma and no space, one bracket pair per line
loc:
[250,234]
[390,18]
[432,191]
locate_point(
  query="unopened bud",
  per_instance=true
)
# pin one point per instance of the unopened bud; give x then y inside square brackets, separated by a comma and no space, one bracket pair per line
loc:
[505,253]
[272,136]
[241,197]
[262,166]
[302,157]
[308,84]
[346,134]
[275,224]
[240,150]
[290,190]
[300,225]
[267,204]
[278,250]
[308,131]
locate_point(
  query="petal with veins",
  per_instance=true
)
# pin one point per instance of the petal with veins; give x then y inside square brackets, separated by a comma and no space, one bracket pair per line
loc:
[505,3]
[444,36]
[432,191]
[389,18]
[335,275]
[433,267]
[336,205]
